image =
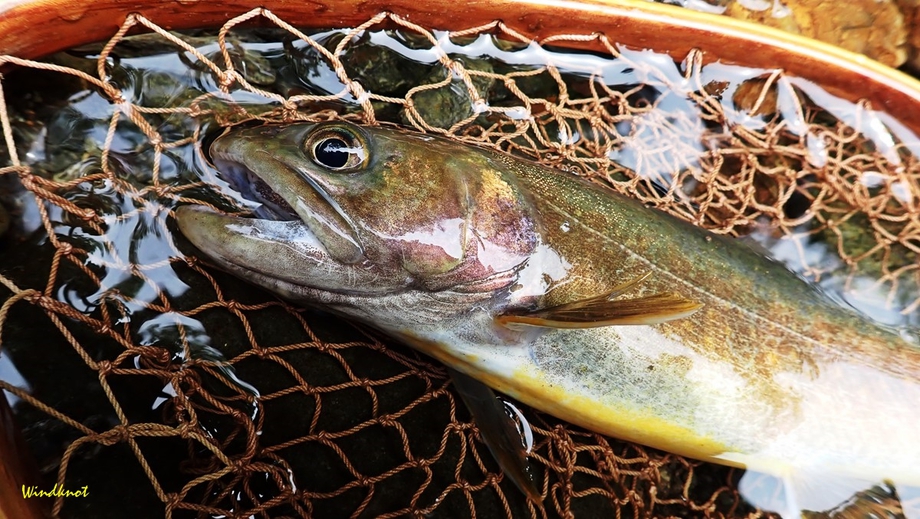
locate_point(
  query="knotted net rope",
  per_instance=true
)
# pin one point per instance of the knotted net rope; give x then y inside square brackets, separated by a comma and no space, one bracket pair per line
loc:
[263,409]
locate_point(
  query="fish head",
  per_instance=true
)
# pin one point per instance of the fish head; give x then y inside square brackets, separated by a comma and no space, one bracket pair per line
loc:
[351,211]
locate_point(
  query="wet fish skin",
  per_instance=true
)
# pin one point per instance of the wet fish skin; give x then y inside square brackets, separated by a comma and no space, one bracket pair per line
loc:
[431,241]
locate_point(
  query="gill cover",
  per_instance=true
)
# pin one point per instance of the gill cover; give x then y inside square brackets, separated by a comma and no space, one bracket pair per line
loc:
[416,205]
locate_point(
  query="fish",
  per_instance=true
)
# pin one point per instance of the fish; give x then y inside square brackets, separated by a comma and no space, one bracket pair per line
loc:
[575,300]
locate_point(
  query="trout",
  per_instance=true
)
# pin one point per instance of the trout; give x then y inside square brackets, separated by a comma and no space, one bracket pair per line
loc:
[575,300]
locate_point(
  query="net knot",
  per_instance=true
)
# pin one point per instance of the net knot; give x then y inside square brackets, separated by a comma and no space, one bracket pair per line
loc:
[456,67]
[241,465]
[161,190]
[115,435]
[458,427]
[422,463]
[185,430]
[386,420]
[65,248]
[357,90]
[86,214]
[227,79]
[43,302]
[288,107]
[104,367]
[173,500]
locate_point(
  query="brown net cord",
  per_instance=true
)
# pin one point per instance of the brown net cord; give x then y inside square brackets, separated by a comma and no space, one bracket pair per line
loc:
[238,462]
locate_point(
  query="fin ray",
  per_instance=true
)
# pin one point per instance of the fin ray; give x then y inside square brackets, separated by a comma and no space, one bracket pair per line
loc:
[603,311]
[498,431]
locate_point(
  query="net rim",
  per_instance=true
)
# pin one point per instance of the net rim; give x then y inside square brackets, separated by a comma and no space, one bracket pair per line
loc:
[56,25]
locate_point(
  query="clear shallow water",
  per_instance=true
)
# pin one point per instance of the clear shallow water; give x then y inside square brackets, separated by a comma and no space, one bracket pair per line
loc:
[136,257]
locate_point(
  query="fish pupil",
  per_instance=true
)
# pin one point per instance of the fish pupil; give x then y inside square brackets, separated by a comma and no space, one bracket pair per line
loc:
[332,152]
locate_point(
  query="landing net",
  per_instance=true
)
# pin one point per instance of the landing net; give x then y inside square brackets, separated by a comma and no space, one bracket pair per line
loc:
[229,403]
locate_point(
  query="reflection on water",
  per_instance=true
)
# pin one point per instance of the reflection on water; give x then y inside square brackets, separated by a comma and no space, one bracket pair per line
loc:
[127,266]
[9,373]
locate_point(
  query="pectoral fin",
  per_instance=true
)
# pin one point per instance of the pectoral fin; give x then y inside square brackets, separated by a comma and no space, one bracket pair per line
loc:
[498,431]
[604,311]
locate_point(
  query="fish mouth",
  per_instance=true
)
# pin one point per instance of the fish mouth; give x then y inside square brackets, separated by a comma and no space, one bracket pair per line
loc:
[271,205]
[262,165]
[280,255]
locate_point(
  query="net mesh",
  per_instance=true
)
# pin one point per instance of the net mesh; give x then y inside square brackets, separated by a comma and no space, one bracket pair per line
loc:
[341,424]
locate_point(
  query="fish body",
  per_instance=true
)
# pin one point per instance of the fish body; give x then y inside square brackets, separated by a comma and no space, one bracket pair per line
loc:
[450,248]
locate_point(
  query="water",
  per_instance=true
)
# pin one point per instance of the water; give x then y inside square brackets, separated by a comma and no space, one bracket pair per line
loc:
[150,311]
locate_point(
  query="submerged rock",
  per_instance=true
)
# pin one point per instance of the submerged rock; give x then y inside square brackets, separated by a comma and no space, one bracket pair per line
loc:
[884,30]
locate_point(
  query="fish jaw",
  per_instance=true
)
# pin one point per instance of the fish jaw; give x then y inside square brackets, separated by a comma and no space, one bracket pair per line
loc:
[261,166]
[282,256]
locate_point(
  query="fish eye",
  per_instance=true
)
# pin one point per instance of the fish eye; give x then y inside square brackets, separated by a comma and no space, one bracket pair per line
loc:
[337,148]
